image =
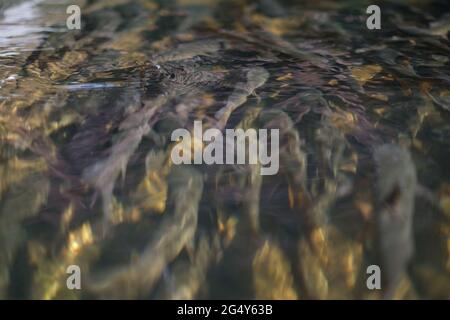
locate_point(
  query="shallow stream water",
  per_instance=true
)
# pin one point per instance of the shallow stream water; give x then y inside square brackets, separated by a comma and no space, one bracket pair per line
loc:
[86,176]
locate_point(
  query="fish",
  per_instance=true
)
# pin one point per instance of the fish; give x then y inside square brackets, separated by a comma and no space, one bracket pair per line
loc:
[176,231]
[189,50]
[22,200]
[102,175]
[395,188]
[438,28]
[256,77]
[186,77]
[252,179]
[186,278]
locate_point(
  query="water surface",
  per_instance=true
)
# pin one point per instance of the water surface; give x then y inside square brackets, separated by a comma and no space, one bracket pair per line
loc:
[85,172]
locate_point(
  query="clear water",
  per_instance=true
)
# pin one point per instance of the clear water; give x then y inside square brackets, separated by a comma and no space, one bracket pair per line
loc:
[85,171]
